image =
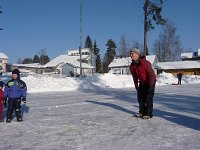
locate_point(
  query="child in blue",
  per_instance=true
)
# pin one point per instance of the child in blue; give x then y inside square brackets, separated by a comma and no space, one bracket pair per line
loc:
[15,91]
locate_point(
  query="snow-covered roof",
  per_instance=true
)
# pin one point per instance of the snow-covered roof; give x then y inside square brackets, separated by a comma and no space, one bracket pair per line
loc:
[32,65]
[2,55]
[178,65]
[151,58]
[120,62]
[63,59]
[127,61]
[186,55]
[76,51]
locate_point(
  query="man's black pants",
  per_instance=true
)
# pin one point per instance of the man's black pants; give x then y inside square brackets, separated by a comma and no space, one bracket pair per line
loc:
[145,99]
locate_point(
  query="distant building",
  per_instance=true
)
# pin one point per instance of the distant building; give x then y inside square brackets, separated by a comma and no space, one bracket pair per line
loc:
[69,63]
[121,65]
[186,67]
[190,64]
[29,68]
[191,55]
[3,62]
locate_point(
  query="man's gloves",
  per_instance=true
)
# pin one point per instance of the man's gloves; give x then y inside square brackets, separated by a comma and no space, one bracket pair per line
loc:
[5,102]
[136,87]
[24,99]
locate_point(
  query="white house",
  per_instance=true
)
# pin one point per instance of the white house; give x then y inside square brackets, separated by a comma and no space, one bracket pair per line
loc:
[69,63]
[121,65]
[191,55]
[90,59]
[29,68]
[3,62]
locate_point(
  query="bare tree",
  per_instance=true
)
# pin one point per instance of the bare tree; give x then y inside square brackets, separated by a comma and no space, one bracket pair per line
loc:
[19,60]
[137,44]
[168,47]
[123,47]
[44,58]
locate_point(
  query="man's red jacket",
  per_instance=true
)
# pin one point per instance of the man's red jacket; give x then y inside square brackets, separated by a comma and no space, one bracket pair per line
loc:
[143,72]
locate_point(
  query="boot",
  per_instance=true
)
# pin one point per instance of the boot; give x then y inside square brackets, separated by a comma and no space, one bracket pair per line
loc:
[19,120]
[8,120]
[138,115]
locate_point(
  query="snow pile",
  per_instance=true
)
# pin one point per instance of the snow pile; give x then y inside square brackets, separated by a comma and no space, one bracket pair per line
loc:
[191,79]
[165,79]
[113,80]
[46,83]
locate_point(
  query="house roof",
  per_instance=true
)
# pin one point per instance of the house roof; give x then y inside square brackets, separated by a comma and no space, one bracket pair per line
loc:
[118,62]
[63,59]
[186,55]
[69,52]
[2,55]
[32,65]
[178,65]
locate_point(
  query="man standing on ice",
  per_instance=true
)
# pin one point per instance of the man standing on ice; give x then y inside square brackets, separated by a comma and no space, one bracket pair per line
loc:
[144,79]
[179,75]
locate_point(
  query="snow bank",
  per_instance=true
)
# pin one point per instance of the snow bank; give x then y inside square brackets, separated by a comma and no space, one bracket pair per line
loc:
[47,83]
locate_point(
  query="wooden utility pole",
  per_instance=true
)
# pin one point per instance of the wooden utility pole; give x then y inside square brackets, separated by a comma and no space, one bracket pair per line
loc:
[0,13]
[145,27]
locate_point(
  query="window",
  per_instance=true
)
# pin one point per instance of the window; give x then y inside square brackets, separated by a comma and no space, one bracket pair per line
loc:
[195,53]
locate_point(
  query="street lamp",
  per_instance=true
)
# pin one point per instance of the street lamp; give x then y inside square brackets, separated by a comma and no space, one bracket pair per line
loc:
[80,47]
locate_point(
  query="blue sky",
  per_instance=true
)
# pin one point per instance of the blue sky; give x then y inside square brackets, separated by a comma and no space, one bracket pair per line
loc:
[31,25]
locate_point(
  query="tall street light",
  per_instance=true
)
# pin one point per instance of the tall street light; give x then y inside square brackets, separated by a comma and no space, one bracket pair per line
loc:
[80,47]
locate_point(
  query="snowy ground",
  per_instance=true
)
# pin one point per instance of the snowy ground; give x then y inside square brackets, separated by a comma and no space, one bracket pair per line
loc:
[101,119]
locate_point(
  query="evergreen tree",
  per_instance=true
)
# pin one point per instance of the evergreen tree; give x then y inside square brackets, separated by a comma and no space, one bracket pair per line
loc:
[152,12]
[105,64]
[98,58]
[109,55]
[111,50]
[44,59]
[88,42]
[27,61]
[36,59]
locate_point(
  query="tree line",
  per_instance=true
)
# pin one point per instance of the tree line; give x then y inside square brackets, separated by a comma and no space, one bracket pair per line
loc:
[167,47]
[41,58]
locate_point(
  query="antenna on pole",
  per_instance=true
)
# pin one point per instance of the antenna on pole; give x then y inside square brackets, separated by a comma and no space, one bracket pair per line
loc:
[80,47]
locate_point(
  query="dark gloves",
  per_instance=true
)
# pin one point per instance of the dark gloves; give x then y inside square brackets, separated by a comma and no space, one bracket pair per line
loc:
[24,99]
[5,102]
[136,87]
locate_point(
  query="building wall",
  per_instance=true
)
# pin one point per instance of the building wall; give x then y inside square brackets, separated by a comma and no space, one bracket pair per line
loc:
[66,68]
[184,71]
[121,70]
[3,63]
